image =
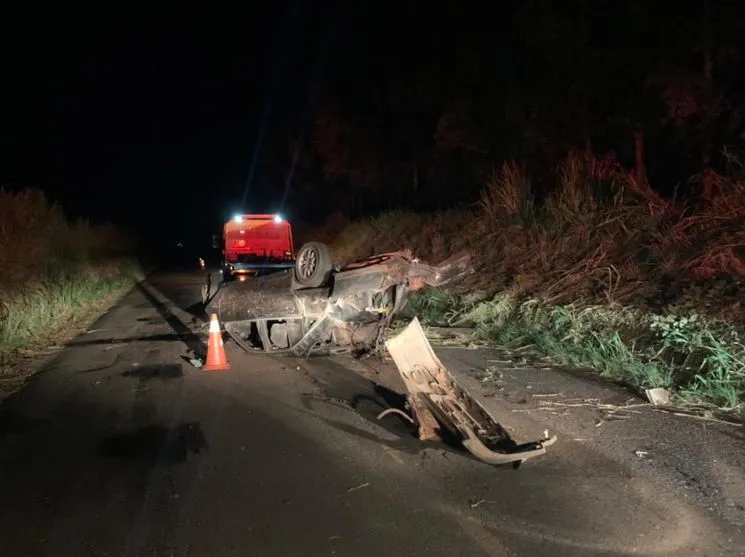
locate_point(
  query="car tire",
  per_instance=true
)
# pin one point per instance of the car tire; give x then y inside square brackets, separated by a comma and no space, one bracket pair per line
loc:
[313,265]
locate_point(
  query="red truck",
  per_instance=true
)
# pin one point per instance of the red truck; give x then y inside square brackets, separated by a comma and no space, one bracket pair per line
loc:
[254,245]
[251,245]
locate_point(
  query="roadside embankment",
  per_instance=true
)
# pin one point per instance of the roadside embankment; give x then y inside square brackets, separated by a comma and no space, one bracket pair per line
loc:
[56,276]
[599,273]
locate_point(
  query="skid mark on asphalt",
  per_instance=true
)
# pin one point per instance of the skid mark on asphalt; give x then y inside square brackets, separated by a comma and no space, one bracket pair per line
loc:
[192,340]
[156,443]
[482,537]
[164,372]
[167,337]
[111,361]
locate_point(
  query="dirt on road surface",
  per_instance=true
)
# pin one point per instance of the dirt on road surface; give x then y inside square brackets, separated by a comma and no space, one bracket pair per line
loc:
[121,447]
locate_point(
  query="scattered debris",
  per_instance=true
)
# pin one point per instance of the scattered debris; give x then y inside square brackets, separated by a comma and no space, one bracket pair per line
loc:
[595,403]
[437,402]
[355,488]
[706,416]
[196,362]
[658,396]
[587,403]
[641,454]
[480,502]
[612,416]
[395,411]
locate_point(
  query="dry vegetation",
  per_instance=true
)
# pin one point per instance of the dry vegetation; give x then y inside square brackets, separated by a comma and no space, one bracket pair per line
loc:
[602,273]
[52,270]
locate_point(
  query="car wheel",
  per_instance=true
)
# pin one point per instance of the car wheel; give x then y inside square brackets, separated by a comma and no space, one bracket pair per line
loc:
[313,265]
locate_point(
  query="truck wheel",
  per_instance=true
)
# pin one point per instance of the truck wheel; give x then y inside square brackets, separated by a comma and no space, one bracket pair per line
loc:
[313,265]
[226,275]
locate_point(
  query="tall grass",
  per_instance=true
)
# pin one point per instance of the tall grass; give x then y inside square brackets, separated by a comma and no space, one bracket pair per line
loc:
[51,269]
[602,273]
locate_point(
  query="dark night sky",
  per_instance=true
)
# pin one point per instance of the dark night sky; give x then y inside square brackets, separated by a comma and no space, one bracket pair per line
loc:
[151,117]
[135,116]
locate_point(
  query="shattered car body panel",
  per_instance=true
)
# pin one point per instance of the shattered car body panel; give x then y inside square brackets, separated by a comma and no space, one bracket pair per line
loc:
[436,400]
[351,312]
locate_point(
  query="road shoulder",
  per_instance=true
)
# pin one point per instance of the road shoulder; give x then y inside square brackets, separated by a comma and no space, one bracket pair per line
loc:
[30,361]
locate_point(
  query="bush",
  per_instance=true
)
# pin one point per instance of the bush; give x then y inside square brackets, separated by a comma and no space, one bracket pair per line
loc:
[51,269]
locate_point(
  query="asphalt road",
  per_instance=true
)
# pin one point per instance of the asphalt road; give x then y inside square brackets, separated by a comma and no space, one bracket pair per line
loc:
[121,447]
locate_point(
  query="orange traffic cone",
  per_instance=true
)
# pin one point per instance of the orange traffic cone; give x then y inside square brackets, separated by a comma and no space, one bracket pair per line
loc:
[216,359]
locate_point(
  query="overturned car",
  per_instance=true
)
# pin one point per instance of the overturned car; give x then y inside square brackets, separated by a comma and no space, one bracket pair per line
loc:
[318,307]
